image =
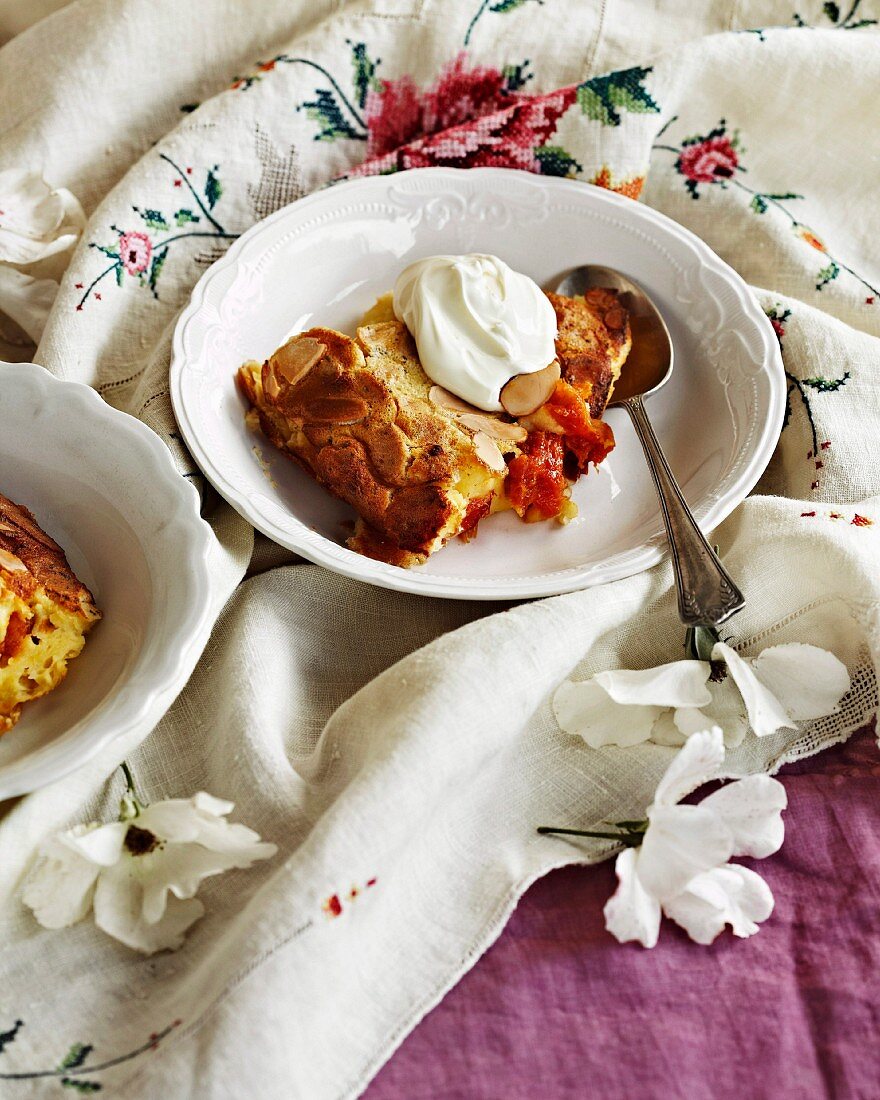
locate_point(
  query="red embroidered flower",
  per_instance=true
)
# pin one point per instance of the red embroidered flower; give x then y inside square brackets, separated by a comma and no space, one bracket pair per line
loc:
[135,250]
[398,112]
[778,327]
[708,161]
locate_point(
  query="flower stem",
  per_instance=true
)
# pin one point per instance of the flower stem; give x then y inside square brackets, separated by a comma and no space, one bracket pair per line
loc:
[194,193]
[467,38]
[129,805]
[320,68]
[630,839]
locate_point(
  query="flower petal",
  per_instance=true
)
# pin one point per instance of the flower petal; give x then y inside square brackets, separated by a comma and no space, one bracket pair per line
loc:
[808,681]
[728,711]
[101,844]
[631,913]
[200,820]
[681,842]
[699,761]
[752,809]
[678,684]
[731,895]
[119,912]
[60,885]
[666,732]
[586,709]
[766,713]
[180,869]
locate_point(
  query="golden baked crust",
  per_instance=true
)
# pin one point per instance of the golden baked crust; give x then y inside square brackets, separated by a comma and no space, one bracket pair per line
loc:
[45,612]
[592,343]
[419,467]
[362,423]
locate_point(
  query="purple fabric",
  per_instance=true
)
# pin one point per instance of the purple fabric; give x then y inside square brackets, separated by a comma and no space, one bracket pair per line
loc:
[558,1009]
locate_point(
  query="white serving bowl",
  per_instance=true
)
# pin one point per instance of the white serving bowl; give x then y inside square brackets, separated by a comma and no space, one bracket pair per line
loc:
[324,259]
[105,488]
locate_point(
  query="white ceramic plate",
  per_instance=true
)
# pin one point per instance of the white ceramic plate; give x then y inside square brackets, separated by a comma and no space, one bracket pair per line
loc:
[325,259]
[105,488]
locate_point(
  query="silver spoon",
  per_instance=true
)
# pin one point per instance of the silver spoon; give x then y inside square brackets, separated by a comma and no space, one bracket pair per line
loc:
[707,594]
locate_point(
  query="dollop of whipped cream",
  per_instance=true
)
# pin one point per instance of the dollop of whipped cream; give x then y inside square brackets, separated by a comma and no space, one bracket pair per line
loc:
[476,323]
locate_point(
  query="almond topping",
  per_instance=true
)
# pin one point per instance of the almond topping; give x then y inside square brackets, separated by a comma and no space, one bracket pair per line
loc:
[11,563]
[446,400]
[487,451]
[297,357]
[271,387]
[336,410]
[493,427]
[525,393]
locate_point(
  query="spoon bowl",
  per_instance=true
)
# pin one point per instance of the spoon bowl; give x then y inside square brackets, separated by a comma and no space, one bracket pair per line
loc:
[707,595]
[649,365]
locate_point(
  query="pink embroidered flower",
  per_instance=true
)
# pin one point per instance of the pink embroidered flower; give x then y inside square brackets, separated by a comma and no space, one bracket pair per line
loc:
[135,250]
[398,112]
[393,115]
[708,161]
[778,327]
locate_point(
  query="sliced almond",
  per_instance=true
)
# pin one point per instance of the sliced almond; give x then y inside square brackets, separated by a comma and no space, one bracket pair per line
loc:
[297,357]
[336,410]
[493,427]
[446,400]
[271,388]
[525,393]
[487,451]
[11,563]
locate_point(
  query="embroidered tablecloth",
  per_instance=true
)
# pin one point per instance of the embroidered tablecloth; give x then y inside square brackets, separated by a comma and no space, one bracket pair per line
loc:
[403,784]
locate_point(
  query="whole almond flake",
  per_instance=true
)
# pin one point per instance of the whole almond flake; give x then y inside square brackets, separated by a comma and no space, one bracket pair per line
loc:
[437,395]
[494,428]
[294,361]
[525,393]
[11,563]
[487,451]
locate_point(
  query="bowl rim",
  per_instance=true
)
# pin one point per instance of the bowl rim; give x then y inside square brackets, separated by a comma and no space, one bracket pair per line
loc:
[323,551]
[139,701]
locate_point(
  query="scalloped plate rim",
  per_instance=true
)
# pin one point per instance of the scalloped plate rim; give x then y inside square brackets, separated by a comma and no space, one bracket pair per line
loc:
[322,551]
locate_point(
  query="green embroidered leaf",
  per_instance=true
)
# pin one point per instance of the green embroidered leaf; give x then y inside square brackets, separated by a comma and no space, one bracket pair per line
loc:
[555,161]
[861,23]
[504,6]
[603,97]
[120,274]
[827,274]
[516,76]
[156,266]
[113,253]
[213,188]
[153,218]
[758,204]
[76,1056]
[325,111]
[827,385]
[188,108]
[780,195]
[9,1036]
[184,216]
[79,1085]
[832,11]
[364,71]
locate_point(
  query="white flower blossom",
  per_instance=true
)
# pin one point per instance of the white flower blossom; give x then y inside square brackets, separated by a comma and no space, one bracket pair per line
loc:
[682,866]
[39,227]
[140,875]
[783,685]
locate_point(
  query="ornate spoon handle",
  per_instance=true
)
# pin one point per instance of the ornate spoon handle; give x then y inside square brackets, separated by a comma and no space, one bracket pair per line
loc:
[706,593]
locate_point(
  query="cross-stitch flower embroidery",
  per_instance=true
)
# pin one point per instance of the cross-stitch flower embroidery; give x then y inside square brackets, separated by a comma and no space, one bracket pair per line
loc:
[135,250]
